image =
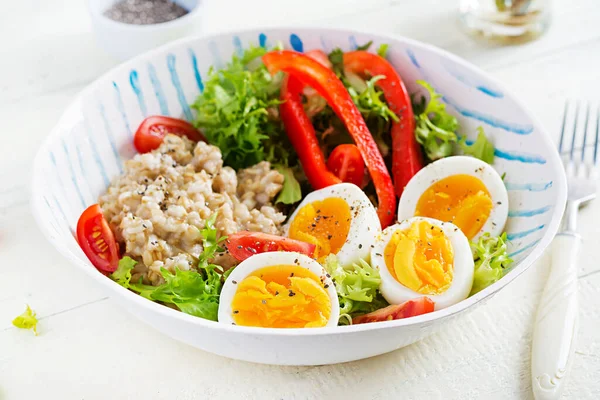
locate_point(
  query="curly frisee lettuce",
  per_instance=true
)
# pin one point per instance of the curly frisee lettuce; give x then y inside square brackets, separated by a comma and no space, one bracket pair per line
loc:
[481,148]
[196,291]
[435,127]
[491,260]
[436,130]
[357,286]
[238,113]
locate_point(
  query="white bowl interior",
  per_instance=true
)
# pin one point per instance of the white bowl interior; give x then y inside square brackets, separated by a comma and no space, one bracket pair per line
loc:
[93,139]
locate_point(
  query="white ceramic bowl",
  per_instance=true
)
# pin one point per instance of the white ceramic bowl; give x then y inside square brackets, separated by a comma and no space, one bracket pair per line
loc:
[87,148]
[124,41]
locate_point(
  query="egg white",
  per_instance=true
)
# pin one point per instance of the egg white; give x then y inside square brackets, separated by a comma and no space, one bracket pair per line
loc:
[462,280]
[364,223]
[459,165]
[269,259]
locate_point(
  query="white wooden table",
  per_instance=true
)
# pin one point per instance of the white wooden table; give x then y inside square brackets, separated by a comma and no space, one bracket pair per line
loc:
[90,349]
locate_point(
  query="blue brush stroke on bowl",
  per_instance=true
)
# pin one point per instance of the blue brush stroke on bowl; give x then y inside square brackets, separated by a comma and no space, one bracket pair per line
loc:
[72,171]
[296,43]
[52,213]
[524,248]
[324,45]
[352,41]
[111,138]
[62,188]
[530,187]
[413,59]
[520,129]
[518,156]
[519,235]
[471,81]
[60,209]
[95,154]
[82,167]
[158,91]
[529,213]
[262,40]
[134,81]
[121,108]
[237,44]
[171,60]
[197,75]
[489,92]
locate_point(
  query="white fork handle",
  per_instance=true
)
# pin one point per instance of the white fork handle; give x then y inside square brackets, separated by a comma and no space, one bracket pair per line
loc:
[556,321]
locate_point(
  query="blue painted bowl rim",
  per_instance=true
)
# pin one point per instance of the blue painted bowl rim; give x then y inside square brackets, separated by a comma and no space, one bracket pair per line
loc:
[74,110]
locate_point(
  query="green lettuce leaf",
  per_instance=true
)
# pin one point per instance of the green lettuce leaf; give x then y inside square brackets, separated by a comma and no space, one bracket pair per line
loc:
[369,101]
[237,112]
[210,242]
[365,46]
[192,292]
[336,57]
[27,320]
[122,274]
[481,148]
[357,287]
[491,260]
[196,291]
[290,192]
[435,128]
[382,50]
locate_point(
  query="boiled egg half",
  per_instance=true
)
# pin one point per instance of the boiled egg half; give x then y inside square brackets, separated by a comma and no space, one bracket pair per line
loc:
[338,219]
[279,290]
[463,190]
[424,257]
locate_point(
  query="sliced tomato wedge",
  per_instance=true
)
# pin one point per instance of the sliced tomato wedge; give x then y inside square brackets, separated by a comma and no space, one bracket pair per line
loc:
[97,240]
[244,244]
[152,131]
[410,308]
[347,164]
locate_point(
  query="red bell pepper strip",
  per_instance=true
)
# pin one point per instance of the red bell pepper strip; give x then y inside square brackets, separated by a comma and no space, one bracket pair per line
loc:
[407,156]
[302,135]
[324,81]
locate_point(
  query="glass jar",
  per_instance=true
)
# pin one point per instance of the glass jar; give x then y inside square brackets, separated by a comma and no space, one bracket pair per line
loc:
[505,21]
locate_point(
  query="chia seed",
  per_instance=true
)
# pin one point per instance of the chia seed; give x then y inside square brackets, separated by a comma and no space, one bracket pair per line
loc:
[145,12]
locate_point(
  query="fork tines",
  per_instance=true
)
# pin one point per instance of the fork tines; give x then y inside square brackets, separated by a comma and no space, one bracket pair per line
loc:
[579,135]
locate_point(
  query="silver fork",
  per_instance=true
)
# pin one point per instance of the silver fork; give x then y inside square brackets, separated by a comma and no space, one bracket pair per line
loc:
[556,321]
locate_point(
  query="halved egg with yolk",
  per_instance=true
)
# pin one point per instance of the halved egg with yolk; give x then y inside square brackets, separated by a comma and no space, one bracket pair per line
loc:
[338,219]
[424,257]
[462,190]
[279,290]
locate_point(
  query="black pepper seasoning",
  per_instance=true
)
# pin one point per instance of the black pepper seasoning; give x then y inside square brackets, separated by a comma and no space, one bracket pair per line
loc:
[145,12]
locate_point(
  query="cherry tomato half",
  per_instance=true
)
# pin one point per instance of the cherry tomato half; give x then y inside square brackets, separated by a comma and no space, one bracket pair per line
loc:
[244,244]
[410,308]
[152,131]
[97,240]
[347,164]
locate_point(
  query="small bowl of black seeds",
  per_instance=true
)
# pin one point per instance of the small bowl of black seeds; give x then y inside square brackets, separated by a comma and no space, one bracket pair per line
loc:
[126,28]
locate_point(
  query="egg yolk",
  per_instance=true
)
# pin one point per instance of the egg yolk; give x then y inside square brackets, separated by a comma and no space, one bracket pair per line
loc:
[324,223]
[461,199]
[421,258]
[281,296]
